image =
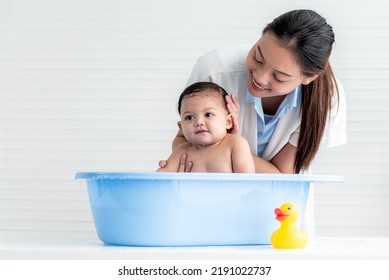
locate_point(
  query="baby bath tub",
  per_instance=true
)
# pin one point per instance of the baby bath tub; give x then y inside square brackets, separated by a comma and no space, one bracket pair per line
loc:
[192,209]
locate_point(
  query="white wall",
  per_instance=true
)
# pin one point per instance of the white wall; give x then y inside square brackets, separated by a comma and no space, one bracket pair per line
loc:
[89,85]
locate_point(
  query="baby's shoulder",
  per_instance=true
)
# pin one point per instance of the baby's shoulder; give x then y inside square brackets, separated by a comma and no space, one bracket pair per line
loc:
[235,138]
[235,141]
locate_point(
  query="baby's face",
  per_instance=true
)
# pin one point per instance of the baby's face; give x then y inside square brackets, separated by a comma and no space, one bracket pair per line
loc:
[204,119]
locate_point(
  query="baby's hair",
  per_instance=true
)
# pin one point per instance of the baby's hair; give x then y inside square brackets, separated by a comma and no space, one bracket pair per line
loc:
[202,88]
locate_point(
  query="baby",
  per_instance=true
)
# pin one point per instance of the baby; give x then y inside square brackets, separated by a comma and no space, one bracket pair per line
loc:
[205,123]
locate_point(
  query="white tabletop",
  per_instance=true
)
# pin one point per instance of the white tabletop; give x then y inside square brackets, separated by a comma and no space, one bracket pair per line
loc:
[65,248]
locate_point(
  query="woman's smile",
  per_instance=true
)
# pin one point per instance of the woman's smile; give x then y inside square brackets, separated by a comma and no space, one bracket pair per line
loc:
[256,86]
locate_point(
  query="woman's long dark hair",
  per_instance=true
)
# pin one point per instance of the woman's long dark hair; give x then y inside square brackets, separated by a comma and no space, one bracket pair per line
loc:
[309,38]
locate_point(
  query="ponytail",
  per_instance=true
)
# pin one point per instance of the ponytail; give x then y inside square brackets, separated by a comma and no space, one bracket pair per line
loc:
[315,107]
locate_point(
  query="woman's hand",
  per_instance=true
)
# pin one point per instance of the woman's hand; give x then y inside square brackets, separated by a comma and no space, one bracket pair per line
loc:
[183,167]
[234,109]
[162,163]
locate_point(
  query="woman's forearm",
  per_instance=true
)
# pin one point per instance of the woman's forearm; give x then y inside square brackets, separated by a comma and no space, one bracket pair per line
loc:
[283,162]
[264,166]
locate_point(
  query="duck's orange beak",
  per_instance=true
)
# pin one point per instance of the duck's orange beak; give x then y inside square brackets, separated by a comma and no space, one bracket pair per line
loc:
[280,215]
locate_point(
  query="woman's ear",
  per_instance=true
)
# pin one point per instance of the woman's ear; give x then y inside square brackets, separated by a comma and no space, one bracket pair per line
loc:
[310,79]
[179,125]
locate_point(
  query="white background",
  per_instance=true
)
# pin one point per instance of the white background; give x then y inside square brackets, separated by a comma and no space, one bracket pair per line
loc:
[91,85]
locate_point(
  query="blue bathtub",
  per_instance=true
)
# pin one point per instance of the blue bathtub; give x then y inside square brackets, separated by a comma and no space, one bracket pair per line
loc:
[192,209]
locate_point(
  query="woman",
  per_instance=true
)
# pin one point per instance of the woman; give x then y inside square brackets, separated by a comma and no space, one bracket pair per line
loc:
[288,102]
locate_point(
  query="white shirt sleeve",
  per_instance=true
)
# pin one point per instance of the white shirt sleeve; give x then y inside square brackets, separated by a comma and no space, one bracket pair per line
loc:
[294,138]
[335,132]
[201,70]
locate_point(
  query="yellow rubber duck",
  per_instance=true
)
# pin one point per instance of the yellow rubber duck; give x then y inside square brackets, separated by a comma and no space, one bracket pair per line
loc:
[288,236]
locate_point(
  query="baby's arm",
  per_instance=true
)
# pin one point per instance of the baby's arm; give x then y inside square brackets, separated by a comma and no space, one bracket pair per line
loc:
[173,161]
[242,159]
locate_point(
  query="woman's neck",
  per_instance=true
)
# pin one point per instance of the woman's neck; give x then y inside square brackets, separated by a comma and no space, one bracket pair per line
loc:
[270,104]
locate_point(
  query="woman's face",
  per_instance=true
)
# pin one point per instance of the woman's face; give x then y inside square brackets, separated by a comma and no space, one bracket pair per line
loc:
[273,71]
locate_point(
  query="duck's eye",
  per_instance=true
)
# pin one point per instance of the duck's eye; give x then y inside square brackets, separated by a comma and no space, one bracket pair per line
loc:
[289,207]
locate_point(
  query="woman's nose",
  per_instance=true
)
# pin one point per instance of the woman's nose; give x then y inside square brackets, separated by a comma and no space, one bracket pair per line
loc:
[262,78]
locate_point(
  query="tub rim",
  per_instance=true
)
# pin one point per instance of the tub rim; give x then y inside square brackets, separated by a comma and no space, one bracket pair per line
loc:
[210,176]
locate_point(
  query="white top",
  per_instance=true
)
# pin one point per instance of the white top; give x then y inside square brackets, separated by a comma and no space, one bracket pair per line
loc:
[227,68]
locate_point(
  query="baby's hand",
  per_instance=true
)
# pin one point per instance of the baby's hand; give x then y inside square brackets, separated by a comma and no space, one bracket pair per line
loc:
[233,108]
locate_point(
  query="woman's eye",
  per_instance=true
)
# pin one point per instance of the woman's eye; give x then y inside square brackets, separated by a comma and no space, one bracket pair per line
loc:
[275,77]
[208,115]
[189,118]
[278,80]
[257,59]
